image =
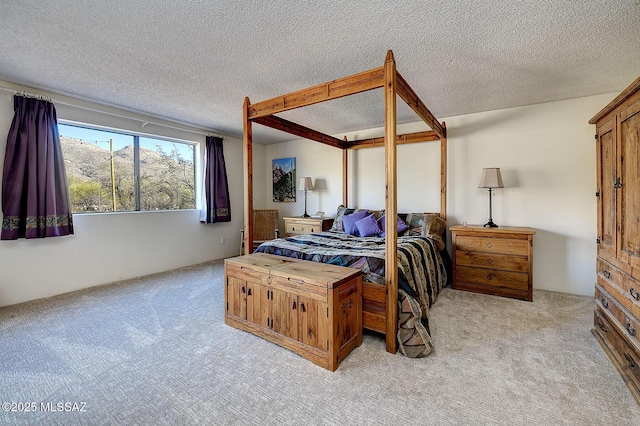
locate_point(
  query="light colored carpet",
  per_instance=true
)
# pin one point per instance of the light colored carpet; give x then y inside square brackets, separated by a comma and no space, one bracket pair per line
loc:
[155,350]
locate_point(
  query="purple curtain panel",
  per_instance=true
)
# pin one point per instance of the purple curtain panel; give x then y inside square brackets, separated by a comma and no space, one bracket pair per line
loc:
[35,196]
[217,203]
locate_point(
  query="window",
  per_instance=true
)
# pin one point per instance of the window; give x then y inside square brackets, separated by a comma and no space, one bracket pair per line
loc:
[111,171]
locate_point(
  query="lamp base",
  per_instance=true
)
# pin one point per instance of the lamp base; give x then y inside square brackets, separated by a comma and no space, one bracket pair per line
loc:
[305,215]
[490,224]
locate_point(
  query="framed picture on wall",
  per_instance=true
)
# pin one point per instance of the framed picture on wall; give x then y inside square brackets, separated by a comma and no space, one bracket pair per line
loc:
[283,173]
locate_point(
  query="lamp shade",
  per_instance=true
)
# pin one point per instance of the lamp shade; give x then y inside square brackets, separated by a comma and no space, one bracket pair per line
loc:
[491,178]
[305,184]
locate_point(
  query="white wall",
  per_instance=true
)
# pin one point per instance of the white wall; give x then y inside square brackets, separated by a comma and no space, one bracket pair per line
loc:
[115,246]
[546,153]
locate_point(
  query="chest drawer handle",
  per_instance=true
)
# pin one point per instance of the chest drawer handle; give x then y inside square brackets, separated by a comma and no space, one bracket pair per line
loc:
[604,303]
[634,293]
[489,245]
[602,327]
[630,360]
[490,261]
[631,330]
[606,273]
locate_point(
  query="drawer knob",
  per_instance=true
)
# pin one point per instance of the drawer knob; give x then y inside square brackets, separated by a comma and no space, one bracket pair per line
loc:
[490,261]
[630,329]
[602,327]
[489,245]
[606,273]
[630,360]
[604,303]
[634,293]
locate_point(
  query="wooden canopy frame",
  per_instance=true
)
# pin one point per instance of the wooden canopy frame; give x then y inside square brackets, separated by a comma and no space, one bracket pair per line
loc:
[387,78]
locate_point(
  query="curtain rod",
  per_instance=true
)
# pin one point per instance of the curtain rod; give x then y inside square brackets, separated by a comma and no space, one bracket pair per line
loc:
[201,130]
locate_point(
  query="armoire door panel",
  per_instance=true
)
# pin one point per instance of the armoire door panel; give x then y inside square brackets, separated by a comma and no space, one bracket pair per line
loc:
[606,200]
[629,192]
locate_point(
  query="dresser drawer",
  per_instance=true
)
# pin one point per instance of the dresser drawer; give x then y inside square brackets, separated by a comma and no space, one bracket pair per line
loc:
[311,225]
[492,277]
[617,283]
[610,274]
[302,228]
[298,228]
[626,322]
[493,245]
[631,289]
[626,358]
[492,261]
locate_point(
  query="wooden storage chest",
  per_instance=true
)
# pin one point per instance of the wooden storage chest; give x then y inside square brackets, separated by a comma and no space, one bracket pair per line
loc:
[310,308]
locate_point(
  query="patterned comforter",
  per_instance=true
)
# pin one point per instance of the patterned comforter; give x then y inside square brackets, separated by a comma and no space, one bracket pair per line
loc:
[421,274]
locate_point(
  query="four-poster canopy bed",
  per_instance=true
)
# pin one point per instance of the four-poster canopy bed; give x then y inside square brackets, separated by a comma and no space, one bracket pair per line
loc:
[380,307]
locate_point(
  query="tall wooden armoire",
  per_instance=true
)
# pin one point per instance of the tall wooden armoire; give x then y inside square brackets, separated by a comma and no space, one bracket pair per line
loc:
[617,289]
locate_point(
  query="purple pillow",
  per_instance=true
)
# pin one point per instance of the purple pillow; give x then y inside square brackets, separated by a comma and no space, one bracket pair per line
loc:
[349,222]
[401,226]
[368,227]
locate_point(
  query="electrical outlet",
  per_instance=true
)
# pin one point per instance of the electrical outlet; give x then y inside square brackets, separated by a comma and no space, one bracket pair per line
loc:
[223,240]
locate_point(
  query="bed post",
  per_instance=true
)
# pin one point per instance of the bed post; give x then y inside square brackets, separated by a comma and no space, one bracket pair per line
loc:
[443,174]
[391,205]
[248,178]
[345,175]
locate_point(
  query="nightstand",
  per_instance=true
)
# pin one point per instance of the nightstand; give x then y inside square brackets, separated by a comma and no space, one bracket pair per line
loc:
[497,261]
[306,225]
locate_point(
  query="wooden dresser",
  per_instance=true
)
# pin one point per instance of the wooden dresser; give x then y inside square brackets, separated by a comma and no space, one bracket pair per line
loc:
[617,289]
[496,261]
[311,308]
[306,225]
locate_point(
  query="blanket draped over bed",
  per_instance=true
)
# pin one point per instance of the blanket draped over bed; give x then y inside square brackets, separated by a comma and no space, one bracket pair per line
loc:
[421,274]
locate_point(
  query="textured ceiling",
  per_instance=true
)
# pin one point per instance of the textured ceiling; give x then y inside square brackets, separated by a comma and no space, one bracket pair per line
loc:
[195,61]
